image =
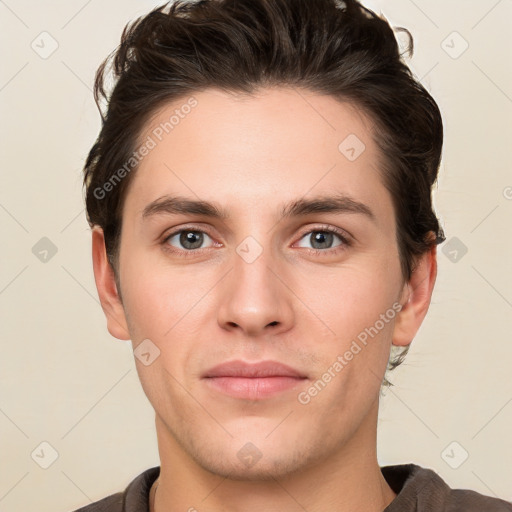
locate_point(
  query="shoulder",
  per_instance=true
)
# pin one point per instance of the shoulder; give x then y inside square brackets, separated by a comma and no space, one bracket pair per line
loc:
[113,503]
[423,490]
[462,499]
[133,499]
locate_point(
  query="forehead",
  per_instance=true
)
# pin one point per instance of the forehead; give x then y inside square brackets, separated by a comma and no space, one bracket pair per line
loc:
[246,151]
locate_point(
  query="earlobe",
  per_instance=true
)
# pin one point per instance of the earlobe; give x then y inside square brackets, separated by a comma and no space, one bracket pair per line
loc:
[107,289]
[416,297]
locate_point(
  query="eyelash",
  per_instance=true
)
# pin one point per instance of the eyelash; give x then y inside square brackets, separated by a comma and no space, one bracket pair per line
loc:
[346,242]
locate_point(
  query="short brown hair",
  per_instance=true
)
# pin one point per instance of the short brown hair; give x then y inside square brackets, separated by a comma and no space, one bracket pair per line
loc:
[333,47]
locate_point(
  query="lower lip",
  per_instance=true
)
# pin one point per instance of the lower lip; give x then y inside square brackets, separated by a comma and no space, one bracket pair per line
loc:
[254,388]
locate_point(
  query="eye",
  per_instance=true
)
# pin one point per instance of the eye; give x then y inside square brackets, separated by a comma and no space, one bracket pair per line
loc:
[188,239]
[322,240]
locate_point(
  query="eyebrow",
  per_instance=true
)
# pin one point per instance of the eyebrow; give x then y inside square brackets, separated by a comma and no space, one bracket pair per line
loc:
[339,203]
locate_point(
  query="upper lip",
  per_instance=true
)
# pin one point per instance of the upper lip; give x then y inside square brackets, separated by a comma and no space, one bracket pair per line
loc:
[253,370]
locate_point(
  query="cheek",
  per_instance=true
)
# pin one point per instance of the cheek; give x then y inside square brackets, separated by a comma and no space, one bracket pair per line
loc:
[351,298]
[161,299]
[360,309]
[356,303]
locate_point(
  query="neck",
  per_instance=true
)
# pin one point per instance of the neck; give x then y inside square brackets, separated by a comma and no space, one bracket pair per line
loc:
[350,479]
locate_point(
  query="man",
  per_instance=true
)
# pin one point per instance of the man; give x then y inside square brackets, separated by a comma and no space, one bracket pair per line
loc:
[263,232]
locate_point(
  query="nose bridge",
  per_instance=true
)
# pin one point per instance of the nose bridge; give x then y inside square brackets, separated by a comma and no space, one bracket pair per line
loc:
[254,298]
[253,264]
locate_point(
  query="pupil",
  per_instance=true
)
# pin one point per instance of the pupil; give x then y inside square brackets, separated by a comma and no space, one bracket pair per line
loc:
[321,237]
[190,237]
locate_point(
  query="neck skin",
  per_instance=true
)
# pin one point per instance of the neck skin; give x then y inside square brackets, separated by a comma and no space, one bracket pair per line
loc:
[348,480]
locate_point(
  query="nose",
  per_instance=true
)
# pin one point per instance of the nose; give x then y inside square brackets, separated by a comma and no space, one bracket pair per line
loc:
[255,298]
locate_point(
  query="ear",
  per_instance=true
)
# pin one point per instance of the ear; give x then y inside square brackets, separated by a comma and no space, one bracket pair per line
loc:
[415,299]
[107,289]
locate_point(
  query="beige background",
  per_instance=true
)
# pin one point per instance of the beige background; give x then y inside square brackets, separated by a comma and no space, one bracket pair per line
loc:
[65,381]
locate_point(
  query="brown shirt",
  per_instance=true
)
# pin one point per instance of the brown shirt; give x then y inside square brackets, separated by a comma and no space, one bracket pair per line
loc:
[418,490]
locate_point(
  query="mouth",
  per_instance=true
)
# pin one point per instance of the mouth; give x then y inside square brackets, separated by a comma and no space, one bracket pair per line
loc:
[255,381]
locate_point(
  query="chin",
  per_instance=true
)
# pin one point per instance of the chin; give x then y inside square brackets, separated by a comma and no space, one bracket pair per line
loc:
[260,471]
[247,461]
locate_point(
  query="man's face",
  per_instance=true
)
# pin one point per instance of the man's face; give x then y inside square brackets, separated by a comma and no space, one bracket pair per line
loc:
[252,288]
